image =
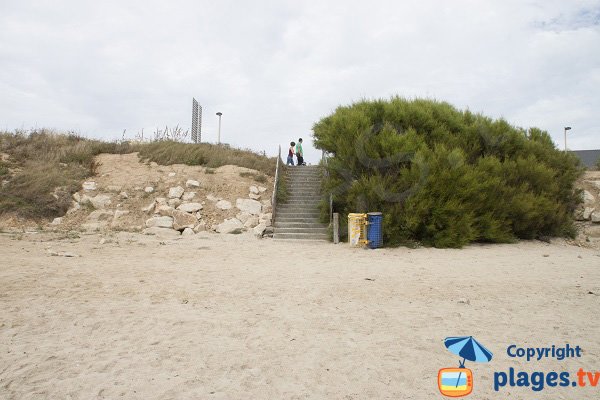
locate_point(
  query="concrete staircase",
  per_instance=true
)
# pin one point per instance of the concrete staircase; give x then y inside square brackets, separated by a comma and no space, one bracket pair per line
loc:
[298,218]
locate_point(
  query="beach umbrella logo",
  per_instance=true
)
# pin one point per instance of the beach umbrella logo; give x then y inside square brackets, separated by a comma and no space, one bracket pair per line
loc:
[458,382]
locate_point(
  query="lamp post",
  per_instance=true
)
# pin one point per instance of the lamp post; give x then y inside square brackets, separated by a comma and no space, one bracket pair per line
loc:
[219,136]
[566,129]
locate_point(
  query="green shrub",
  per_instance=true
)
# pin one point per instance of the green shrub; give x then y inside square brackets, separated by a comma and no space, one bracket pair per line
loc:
[445,177]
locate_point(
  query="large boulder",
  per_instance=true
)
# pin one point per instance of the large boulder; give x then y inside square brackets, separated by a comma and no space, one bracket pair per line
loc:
[587,213]
[188,232]
[191,183]
[187,196]
[588,198]
[595,217]
[160,222]
[176,192]
[223,205]
[259,230]
[100,201]
[251,222]
[190,207]
[248,205]
[243,217]
[182,220]
[100,215]
[90,185]
[231,225]
[164,210]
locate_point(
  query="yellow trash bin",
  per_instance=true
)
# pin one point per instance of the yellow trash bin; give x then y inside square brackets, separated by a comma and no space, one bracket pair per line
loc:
[357,229]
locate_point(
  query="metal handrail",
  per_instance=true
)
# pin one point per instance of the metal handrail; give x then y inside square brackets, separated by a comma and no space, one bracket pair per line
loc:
[326,174]
[275,186]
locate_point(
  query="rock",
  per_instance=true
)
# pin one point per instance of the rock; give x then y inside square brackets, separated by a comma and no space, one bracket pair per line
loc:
[588,197]
[160,222]
[76,197]
[464,301]
[587,213]
[200,227]
[596,217]
[253,189]
[223,204]
[89,185]
[174,203]
[192,183]
[254,196]
[162,232]
[198,215]
[113,188]
[188,232]
[172,174]
[92,226]
[212,197]
[267,209]
[120,213]
[190,207]
[57,221]
[187,196]
[161,200]
[100,215]
[262,189]
[266,203]
[74,207]
[594,183]
[259,230]
[176,192]
[164,210]
[265,218]
[243,217]
[123,195]
[149,189]
[117,222]
[248,205]
[182,220]
[231,225]
[251,222]
[100,201]
[149,208]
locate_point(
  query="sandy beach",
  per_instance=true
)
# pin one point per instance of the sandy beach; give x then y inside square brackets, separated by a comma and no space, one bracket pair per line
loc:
[233,317]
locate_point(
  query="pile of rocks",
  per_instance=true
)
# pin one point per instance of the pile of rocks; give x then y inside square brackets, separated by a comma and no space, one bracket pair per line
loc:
[177,213]
[588,213]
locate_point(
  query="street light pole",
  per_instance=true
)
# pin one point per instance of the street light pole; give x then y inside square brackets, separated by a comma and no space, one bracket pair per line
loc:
[566,129]
[219,137]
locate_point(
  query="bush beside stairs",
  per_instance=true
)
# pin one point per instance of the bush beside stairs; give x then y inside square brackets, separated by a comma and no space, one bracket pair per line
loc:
[298,217]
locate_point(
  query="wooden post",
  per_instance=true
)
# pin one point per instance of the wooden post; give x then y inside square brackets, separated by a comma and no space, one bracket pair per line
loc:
[336,228]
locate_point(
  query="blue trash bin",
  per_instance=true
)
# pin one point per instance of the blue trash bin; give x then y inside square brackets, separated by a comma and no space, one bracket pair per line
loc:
[374,230]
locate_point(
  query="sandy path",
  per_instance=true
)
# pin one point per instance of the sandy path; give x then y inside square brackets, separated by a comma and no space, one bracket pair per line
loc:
[231,317]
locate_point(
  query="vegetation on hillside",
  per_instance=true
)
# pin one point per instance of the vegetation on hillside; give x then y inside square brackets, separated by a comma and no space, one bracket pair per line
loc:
[44,168]
[445,177]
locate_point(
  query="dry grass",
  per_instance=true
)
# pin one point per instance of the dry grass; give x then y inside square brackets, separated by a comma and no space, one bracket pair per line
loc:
[45,168]
[209,155]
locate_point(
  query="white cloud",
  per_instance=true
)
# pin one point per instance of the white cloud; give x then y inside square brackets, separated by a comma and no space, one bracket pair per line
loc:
[275,68]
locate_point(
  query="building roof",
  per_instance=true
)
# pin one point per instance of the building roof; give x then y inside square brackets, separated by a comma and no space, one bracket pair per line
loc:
[588,157]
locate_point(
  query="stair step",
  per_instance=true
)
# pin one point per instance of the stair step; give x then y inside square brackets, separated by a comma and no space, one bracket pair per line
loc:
[303,220]
[283,224]
[301,236]
[301,230]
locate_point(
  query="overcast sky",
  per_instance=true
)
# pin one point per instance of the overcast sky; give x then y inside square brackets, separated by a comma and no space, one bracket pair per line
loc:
[274,68]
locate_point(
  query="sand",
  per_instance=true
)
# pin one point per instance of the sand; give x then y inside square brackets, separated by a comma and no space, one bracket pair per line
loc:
[234,317]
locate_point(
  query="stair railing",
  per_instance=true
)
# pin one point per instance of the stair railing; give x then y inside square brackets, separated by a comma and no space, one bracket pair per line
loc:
[278,167]
[324,159]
